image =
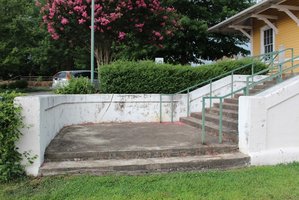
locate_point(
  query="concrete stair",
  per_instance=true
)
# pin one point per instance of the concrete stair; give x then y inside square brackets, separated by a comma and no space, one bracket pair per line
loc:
[143,166]
[212,128]
[217,156]
[230,108]
[228,122]
[136,149]
[56,156]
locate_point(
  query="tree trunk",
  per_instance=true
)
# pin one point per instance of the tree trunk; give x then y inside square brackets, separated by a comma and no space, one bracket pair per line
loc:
[103,53]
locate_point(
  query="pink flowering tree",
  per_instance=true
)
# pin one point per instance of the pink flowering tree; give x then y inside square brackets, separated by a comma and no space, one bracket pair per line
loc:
[116,22]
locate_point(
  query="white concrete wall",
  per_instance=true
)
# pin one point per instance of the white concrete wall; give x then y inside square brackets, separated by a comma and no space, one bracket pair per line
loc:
[46,115]
[269,124]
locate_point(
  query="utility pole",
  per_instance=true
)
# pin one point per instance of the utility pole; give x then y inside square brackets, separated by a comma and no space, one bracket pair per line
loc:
[92,43]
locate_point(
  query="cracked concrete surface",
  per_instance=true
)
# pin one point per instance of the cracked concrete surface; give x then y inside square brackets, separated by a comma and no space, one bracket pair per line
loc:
[127,137]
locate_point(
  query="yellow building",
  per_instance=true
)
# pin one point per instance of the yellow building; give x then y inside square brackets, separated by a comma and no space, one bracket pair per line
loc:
[271,25]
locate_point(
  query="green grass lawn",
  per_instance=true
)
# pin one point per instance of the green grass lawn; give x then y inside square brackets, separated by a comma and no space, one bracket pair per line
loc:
[279,182]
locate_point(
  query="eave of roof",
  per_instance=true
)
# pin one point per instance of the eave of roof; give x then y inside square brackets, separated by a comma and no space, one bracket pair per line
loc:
[245,14]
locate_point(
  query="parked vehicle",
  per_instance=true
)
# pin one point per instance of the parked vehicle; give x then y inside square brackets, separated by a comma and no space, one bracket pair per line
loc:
[62,77]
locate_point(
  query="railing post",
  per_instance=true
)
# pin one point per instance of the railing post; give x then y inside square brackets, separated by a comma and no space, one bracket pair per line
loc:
[172,108]
[280,73]
[203,127]
[244,90]
[211,90]
[252,72]
[220,121]
[292,60]
[160,108]
[188,103]
[247,86]
[232,84]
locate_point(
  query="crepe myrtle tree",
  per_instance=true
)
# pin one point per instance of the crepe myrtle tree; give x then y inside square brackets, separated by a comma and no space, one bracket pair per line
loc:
[117,22]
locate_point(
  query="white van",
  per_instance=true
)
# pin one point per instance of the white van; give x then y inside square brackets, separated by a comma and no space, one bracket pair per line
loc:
[62,78]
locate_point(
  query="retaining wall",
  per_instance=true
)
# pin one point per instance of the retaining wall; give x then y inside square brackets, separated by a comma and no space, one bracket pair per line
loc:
[269,124]
[46,115]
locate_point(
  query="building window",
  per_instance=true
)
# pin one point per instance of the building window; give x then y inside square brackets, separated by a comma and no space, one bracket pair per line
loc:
[268,42]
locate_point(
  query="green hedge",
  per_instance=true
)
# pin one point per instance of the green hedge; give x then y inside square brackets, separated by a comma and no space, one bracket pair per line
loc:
[128,77]
[10,123]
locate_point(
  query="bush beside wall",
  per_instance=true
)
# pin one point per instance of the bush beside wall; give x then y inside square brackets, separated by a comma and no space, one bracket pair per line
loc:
[79,85]
[10,123]
[128,77]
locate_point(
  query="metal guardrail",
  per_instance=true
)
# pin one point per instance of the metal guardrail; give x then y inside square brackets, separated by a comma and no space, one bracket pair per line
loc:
[272,65]
[271,77]
[250,83]
[30,78]
[221,100]
[268,58]
[36,78]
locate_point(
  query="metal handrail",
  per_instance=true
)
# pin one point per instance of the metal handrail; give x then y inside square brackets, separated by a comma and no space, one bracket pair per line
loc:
[276,53]
[221,99]
[248,86]
[272,55]
[246,92]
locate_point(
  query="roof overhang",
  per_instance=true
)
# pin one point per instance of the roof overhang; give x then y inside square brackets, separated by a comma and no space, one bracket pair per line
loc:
[242,20]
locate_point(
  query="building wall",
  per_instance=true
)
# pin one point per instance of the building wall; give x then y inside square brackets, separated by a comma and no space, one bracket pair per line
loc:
[288,31]
[257,25]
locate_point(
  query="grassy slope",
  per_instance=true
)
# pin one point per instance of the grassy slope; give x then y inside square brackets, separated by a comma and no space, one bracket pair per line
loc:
[279,182]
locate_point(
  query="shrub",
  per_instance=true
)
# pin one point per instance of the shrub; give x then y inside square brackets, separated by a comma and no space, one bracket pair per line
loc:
[3,86]
[127,77]
[10,123]
[19,84]
[79,85]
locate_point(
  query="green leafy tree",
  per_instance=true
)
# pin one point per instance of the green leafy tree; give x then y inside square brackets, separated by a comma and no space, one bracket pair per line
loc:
[146,22]
[52,56]
[26,48]
[17,37]
[218,45]
[192,41]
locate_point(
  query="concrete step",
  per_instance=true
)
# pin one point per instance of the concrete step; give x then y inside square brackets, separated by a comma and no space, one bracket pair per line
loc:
[55,156]
[289,75]
[254,91]
[261,87]
[212,128]
[270,82]
[215,111]
[238,95]
[213,117]
[228,113]
[232,100]
[142,166]
[227,106]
